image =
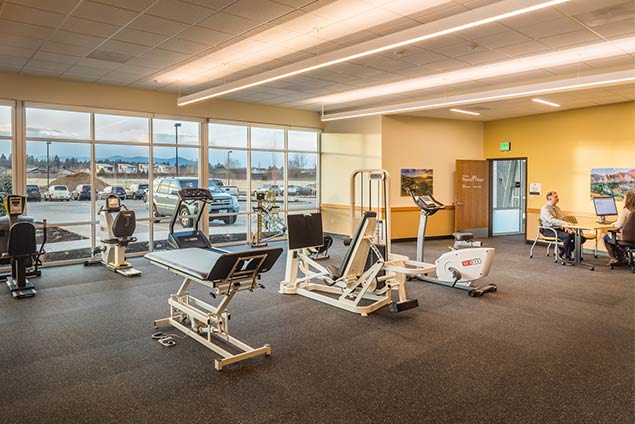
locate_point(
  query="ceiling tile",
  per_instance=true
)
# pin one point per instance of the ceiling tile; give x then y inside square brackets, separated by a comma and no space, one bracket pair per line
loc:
[95,63]
[77,39]
[157,25]
[547,29]
[68,49]
[622,28]
[523,49]
[140,37]
[21,42]
[502,39]
[204,35]
[40,72]
[213,4]
[229,23]
[88,71]
[26,30]
[571,39]
[103,13]
[258,10]
[58,6]
[183,46]
[87,27]
[55,57]
[45,65]
[134,5]
[177,10]
[122,47]
[487,56]
[14,12]
[119,78]
[159,59]
[13,61]
[16,51]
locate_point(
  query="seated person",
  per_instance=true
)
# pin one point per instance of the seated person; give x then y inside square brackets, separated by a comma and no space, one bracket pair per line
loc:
[615,253]
[551,216]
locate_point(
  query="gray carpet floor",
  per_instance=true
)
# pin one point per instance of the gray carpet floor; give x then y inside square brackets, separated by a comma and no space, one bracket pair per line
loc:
[554,345]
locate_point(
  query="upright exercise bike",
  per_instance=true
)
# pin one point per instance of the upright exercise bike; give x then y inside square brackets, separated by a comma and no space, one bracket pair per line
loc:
[116,234]
[459,267]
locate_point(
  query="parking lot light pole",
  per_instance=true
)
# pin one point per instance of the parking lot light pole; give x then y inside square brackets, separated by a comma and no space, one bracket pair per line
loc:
[229,168]
[48,143]
[176,138]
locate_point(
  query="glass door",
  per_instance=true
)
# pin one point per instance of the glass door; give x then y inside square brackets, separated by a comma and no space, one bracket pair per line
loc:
[508,196]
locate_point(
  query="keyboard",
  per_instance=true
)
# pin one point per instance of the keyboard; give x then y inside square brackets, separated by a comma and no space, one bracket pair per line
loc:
[605,222]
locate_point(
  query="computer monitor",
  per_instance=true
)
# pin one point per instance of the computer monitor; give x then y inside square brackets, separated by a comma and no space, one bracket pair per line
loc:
[604,206]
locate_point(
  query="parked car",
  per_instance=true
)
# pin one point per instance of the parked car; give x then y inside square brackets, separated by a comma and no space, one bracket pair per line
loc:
[312,189]
[166,198]
[58,192]
[275,189]
[33,193]
[293,190]
[217,181]
[116,190]
[135,191]
[233,190]
[81,192]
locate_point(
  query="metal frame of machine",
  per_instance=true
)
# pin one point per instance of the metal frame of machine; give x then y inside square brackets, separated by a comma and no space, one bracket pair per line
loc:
[369,272]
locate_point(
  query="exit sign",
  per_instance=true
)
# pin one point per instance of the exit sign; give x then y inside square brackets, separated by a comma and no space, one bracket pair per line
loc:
[505,146]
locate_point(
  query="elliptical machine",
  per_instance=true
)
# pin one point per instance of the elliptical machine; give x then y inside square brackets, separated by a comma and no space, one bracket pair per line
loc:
[18,247]
[115,233]
[459,267]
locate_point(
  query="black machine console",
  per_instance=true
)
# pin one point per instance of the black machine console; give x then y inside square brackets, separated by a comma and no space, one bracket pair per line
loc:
[194,237]
[194,194]
[428,204]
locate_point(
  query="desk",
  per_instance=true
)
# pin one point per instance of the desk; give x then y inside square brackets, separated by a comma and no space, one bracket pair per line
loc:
[578,229]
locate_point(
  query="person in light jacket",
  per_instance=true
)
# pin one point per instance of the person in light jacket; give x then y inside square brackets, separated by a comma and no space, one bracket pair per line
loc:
[615,253]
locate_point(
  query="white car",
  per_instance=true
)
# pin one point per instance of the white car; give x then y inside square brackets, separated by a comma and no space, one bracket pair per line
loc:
[58,192]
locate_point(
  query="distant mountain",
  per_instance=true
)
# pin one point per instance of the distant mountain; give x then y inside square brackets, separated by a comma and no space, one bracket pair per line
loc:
[617,176]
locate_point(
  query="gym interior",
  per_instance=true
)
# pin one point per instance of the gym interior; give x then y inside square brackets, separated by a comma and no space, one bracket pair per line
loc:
[401,211]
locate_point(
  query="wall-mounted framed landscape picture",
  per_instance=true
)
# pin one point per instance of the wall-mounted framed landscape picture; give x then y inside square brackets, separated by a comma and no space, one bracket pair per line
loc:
[417,180]
[614,182]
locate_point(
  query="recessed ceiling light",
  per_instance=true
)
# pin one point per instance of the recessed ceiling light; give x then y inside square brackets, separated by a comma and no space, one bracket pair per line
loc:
[470,19]
[578,83]
[544,102]
[467,112]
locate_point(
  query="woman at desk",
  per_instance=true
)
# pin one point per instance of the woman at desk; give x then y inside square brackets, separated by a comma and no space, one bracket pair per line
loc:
[615,253]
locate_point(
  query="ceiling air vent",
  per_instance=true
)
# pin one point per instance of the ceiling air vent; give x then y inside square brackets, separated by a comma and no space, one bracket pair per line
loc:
[606,15]
[109,56]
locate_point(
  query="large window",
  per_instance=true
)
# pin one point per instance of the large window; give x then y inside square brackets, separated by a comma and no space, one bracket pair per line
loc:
[175,166]
[56,173]
[6,168]
[76,157]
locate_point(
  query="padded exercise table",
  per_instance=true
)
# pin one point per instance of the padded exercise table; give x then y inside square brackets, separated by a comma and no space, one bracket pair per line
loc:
[226,274]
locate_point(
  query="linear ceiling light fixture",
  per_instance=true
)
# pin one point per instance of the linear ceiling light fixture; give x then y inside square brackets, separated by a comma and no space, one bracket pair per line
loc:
[576,55]
[569,84]
[544,102]
[470,19]
[467,112]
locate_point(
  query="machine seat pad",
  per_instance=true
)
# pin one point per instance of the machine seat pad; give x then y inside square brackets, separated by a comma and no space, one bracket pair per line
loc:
[334,272]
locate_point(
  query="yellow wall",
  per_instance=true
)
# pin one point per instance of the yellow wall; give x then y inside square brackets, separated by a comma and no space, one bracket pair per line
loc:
[563,147]
[75,93]
[347,145]
[416,142]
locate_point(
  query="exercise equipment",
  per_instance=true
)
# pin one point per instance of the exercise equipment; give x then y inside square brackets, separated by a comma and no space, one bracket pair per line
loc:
[115,234]
[369,273]
[227,274]
[18,247]
[269,224]
[352,286]
[459,267]
[200,198]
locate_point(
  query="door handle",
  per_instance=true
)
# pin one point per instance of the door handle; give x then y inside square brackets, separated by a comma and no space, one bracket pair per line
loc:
[458,203]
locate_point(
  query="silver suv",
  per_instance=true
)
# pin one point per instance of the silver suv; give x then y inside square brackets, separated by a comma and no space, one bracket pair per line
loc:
[166,198]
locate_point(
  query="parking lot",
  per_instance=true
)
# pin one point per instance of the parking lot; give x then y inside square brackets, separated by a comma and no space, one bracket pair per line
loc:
[59,213]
